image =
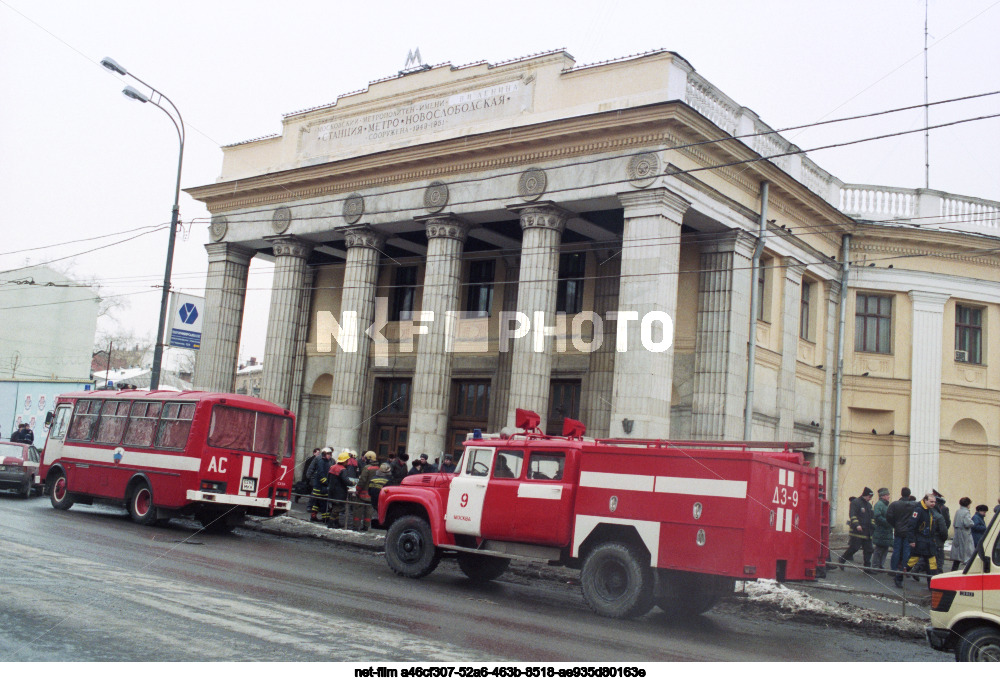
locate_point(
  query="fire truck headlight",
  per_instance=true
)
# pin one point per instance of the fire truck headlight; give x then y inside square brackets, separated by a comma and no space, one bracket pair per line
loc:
[700,539]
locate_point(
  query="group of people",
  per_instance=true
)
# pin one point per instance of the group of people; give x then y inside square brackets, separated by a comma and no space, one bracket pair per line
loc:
[23,434]
[916,531]
[331,481]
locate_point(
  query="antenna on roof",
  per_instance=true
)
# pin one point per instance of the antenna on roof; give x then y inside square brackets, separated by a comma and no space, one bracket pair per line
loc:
[414,63]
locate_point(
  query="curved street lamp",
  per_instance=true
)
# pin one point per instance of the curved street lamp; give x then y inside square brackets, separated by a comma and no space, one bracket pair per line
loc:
[157,98]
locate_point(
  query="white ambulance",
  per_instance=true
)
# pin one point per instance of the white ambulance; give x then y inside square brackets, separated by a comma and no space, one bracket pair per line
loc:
[965,604]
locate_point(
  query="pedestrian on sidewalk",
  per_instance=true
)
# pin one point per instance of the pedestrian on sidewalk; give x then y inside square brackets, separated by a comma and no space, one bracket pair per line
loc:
[962,548]
[979,525]
[920,536]
[898,514]
[860,536]
[882,531]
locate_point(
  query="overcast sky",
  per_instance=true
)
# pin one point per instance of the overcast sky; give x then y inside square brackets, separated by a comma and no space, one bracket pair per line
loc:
[79,160]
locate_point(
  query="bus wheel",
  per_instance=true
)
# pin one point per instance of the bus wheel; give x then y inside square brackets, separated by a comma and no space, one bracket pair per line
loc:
[59,493]
[141,505]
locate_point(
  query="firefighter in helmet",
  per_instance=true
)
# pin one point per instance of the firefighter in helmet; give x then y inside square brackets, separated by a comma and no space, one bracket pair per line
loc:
[320,470]
[371,468]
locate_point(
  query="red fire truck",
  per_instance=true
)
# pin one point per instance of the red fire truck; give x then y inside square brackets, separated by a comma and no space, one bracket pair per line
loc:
[162,454]
[648,522]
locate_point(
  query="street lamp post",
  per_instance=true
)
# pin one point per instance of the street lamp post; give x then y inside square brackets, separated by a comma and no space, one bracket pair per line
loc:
[156,97]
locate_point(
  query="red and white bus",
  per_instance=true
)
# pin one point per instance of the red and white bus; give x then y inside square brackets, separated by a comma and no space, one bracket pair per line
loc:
[163,454]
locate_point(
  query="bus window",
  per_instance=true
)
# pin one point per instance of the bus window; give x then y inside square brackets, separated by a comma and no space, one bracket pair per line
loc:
[175,425]
[114,416]
[84,418]
[250,431]
[59,423]
[142,424]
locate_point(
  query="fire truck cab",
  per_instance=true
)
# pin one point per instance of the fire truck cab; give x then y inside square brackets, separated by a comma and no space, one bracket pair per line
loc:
[965,604]
[648,522]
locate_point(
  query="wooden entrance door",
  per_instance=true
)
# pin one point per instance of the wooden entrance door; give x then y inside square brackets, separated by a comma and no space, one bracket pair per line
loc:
[391,407]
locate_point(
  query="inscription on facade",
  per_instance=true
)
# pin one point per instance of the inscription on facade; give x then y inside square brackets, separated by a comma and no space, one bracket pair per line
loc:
[335,135]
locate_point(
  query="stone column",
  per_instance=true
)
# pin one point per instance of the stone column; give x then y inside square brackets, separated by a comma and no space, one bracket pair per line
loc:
[284,319]
[791,300]
[722,337]
[350,368]
[500,390]
[541,232]
[432,375]
[643,378]
[598,383]
[298,376]
[225,295]
[925,389]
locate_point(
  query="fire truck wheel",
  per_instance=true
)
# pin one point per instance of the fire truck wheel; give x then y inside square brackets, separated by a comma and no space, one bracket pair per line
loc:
[616,583]
[140,506]
[981,644]
[482,569]
[59,495]
[409,547]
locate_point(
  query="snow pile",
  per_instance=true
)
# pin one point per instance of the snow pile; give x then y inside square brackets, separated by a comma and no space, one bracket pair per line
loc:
[794,604]
[294,527]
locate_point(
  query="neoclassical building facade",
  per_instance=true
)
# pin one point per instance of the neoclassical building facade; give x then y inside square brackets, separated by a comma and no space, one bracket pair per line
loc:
[619,243]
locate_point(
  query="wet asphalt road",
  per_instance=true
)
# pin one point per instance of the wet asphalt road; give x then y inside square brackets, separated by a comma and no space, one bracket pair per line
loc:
[88,584]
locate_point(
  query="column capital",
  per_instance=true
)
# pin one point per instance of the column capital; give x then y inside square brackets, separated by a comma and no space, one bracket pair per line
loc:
[542,215]
[657,201]
[832,290]
[735,240]
[794,269]
[445,226]
[925,301]
[289,246]
[363,237]
[222,251]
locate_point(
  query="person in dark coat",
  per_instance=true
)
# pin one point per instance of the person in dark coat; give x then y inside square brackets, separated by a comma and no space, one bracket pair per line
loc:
[23,434]
[319,511]
[898,515]
[448,466]
[979,524]
[397,465]
[941,533]
[364,478]
[882,531]
[920,536]
[861,523]
[428,466]
[379,480]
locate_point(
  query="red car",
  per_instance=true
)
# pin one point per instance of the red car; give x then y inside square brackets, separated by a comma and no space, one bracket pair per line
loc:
[18,467]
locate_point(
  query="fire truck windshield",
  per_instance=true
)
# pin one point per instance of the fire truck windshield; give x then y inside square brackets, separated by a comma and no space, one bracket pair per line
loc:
[250,431]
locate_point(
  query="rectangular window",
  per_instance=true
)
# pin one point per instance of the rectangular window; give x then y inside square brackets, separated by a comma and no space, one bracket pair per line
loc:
[59,423]
[968,334]
[804,310]
[175,425]
[84,418]
[142,424]
[569,298]
[873,324]
[564,402]
[508,463]
[404,294]
[761,288]
[477,462]
[250,431]
[479,301]
[548,466]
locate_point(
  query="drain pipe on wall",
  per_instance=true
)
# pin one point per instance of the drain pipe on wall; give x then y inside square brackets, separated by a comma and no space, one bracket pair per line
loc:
[752,343]
[845,270]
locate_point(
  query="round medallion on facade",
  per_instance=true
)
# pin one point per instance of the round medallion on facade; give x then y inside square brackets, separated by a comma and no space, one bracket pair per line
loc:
[531,184]
[281,218]
[354,208]
[217,228]
[436,196]
[643,169]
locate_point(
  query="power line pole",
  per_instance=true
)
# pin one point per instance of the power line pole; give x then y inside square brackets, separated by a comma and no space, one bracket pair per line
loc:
[927,132]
